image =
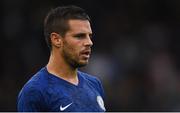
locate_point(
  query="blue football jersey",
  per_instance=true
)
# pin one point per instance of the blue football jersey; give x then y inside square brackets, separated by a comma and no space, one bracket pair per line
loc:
[47,92]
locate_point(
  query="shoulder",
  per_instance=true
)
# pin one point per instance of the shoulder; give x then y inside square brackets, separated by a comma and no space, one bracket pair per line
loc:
[36,83]
[31,97]
[92,80]
[89,77]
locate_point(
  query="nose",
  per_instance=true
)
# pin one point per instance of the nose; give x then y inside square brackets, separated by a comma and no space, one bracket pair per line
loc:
[88,42]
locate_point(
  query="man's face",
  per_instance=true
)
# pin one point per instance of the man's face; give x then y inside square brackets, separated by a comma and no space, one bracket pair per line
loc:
[77,43]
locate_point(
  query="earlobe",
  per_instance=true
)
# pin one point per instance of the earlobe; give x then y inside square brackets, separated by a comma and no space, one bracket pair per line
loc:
[55,40]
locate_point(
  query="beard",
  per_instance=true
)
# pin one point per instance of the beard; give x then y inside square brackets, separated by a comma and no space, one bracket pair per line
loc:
[72,59]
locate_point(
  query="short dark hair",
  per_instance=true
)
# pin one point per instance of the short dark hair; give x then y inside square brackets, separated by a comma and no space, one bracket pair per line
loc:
[57,20]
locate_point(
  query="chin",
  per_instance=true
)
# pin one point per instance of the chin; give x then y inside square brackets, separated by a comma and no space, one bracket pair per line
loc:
[82,63]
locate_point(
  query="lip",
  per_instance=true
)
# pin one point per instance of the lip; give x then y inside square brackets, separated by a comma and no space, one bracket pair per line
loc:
[86,53]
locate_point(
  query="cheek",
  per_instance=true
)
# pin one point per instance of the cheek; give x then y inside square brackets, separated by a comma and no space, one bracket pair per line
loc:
[71,50]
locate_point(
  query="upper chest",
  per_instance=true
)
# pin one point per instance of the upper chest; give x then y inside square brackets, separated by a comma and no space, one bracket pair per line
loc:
[67,98]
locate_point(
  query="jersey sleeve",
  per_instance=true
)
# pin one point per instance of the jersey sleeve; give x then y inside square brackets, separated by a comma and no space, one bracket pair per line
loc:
[30,100]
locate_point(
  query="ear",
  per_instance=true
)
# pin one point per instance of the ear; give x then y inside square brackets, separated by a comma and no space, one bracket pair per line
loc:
[56,39]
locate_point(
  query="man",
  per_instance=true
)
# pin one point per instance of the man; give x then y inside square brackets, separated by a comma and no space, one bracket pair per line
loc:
[59,86]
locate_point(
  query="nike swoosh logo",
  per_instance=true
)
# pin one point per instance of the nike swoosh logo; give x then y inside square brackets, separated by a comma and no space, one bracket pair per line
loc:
[65,107]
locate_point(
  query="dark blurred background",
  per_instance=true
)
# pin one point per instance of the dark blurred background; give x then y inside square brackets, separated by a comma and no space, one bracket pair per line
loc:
[135,53]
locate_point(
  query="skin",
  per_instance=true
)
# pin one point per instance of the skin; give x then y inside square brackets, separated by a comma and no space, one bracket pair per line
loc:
[71,51]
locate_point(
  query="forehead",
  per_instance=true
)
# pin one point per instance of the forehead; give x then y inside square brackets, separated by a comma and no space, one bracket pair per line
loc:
[79,26]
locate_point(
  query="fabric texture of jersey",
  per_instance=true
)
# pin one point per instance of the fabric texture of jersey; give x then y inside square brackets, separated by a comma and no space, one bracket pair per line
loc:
[47,92]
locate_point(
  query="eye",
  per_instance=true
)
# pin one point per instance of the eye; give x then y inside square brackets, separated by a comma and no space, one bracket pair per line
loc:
[83,36]
[91,36]
[80,36]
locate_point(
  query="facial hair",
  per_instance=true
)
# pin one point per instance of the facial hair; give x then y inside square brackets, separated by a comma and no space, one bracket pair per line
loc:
[69,57]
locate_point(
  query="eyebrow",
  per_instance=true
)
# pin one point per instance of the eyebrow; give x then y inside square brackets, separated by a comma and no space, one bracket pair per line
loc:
[82,34]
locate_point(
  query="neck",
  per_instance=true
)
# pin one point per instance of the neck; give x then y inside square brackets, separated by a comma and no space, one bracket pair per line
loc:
[60,68]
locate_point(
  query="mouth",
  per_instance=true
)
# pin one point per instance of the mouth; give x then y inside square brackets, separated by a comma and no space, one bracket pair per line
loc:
[86,54]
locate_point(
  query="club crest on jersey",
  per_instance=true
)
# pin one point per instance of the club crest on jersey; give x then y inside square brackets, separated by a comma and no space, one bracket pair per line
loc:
[101,102]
